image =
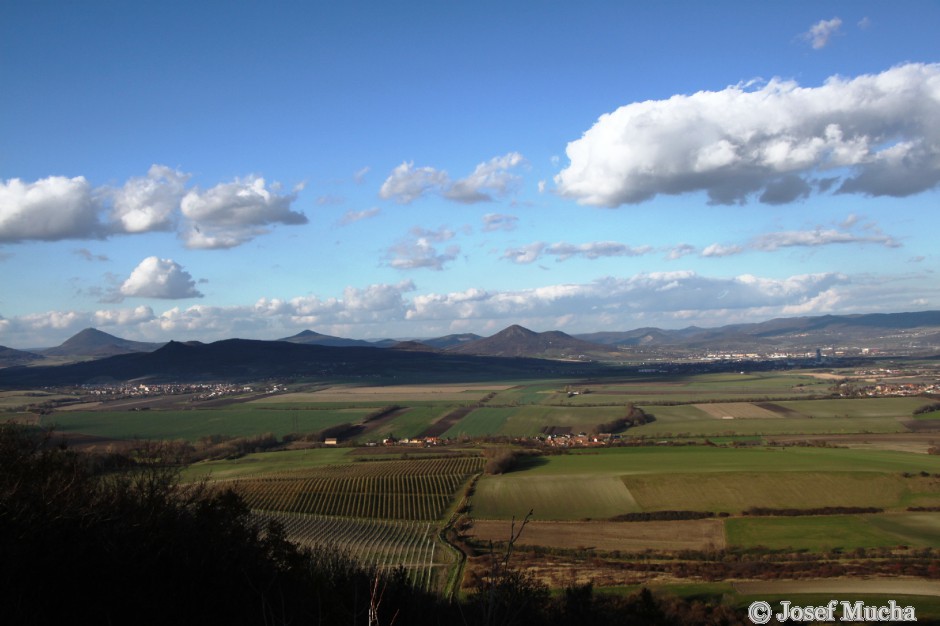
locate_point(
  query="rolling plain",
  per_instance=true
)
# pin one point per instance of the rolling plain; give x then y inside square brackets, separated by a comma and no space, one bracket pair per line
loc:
[731,479]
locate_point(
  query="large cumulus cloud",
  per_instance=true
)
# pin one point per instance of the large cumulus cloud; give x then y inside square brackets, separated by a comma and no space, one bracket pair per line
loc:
[50,209]
[876,134]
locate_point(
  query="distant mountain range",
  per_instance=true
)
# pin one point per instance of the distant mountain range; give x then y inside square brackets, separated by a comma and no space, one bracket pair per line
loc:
[918,332]
[892,333]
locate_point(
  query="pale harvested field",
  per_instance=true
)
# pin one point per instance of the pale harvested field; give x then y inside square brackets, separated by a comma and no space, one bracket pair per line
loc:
[82,406]
[624,536]
[392,393]
[737,410]
[880,586]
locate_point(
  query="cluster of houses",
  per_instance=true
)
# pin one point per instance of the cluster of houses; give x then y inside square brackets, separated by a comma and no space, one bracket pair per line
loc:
[199,391]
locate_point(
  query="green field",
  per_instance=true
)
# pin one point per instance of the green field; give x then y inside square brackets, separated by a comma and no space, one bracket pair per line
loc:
[734,492]
[576,486]
[559,498]
[192,424]
[829,532]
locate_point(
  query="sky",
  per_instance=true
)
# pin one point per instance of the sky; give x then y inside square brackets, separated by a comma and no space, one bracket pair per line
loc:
[216,169]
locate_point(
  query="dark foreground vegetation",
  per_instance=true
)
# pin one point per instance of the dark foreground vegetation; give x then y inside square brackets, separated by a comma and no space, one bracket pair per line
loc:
[118,539]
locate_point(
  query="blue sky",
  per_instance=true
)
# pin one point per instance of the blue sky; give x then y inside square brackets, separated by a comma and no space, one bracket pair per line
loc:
[371,169]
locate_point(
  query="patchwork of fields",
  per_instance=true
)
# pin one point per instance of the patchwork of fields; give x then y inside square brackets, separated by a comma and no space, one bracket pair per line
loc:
[390,510]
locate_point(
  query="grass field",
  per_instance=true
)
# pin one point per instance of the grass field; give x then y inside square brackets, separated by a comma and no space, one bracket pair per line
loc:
[736,491]
[829,532]
[265,463]
[560,497]
[585,485]
[190,425]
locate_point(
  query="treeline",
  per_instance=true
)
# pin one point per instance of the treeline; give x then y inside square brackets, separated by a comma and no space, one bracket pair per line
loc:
[635,416]
[825,510]
[85,544]
[927,408]
[665,516]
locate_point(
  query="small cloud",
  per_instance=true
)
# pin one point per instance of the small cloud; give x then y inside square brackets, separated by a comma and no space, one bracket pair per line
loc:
[492,177]
[679,251]
[360,175]
[525,254]
[819,33]
[419,251]
[864,23]
[351,217]
[563,251]
[160,278]
[719,250]
[407,183]
[330,200]
[86,254]
[495,221]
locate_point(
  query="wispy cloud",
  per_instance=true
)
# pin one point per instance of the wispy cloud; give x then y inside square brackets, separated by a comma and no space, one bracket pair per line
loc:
[850,231]
[351,217]
[419,250]
[563,251]
[495,221]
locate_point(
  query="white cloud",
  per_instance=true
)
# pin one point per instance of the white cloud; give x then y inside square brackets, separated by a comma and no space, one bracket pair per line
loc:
[150,202]
[876,132]
[496,221]
[407,183]
[50,209]
[227,215]
[160,278]
[122,317]
[231,214]
[664,299]
[656,294]
[820,32]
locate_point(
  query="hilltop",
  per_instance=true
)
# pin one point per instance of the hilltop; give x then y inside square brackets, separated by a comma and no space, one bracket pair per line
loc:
[517,341]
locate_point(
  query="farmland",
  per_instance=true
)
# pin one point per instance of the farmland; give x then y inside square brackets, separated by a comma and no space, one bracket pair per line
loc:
[713,445]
